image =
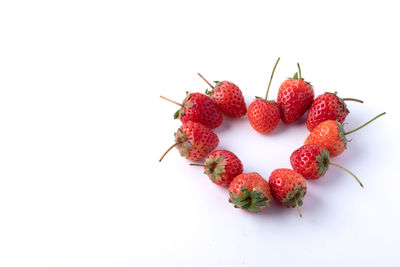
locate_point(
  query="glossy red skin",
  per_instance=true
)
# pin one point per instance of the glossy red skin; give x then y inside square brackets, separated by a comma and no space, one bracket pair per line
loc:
[264,116]
[233,168]
[202,139]
[325,107]
[303,160]
[253,182]
[283,182]
[327,134]
[295,96]
[229,99]
[204,111]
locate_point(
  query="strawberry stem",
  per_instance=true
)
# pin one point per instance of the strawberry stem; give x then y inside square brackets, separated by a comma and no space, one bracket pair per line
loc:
[270,79]
[170,100]
[200,165]
[365,124]
[352,99]
[298,209]
[171,147]
[298,66]
[204,79]
[349,172]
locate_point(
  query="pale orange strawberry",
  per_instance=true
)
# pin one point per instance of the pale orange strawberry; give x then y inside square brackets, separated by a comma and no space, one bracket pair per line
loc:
[331,135]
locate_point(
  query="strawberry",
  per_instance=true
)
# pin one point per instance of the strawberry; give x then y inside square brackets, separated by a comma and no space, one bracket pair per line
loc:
[288,187]
[327,106]
[312,161]
[264,115]
[249,191]
[200,108]
[228,97]
[294,97]
[331,135]
[222,166]
[194,141]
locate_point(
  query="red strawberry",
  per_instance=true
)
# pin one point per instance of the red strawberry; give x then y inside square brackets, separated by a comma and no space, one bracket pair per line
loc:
[228,97]
[331,135]
[250,191]
[325,107]
[264,115]
[200,108]
[194,141]
[294,97]
[312,161]
[288,187]
[222,166]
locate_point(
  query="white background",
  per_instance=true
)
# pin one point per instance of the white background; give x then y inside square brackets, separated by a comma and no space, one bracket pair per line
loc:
[82,128]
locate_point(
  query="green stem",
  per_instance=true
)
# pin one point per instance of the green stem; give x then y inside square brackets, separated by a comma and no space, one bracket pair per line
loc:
[171,147]
[298,209]
[204,79]
[352,99]
[200,165]
[349,172]
[270,79]
[365,124]
[298,66]
[170,100]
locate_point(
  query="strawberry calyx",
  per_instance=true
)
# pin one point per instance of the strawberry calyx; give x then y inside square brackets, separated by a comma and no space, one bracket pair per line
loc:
[182,142]
[210,92]
[214,167]
[294,198]
[342,134]
[249,200]
[323,162]
[296,77]
[185,104]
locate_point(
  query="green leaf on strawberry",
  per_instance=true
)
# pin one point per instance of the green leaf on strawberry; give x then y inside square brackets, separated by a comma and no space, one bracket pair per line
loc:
[323,162]
[215,167]
[185,104]
[342,134]
[249,200]
[294,198]
[183,143]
